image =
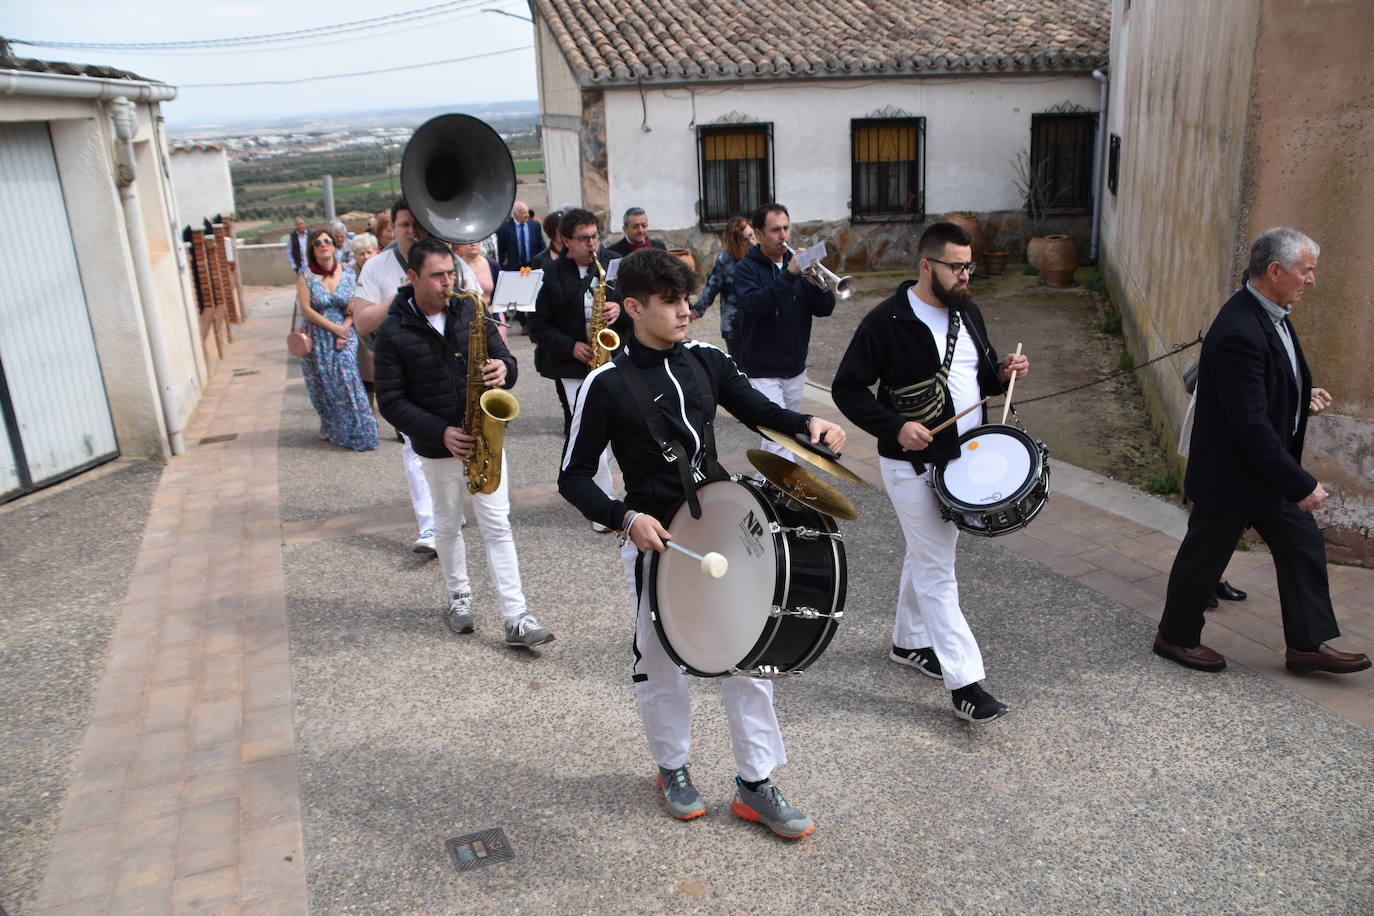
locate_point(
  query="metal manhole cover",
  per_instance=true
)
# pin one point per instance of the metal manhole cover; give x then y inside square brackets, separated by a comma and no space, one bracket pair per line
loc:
[226,437]
[475,850]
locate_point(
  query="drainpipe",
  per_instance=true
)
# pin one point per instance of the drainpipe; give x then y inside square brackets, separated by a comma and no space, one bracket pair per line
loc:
[1099,173]
[123,114]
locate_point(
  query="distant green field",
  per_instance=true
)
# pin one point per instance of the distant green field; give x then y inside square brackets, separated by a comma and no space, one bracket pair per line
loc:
[529,166]
[380,184]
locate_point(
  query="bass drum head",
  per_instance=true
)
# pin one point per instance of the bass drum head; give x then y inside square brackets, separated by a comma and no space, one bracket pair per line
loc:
[709,625]
[995,463]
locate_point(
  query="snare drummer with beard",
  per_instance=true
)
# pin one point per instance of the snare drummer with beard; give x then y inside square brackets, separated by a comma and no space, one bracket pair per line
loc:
[669,375]
[926,348]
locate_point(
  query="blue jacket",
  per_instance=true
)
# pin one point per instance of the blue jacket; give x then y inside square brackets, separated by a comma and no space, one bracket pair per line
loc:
[775,311]
[722,283]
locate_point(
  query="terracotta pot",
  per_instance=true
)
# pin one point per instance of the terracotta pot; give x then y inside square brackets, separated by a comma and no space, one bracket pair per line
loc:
[1058,260]
[685,256]
[994,262]
[1033,247]
[973,227]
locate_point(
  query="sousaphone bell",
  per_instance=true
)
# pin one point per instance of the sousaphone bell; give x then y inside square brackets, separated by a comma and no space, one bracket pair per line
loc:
[458,178]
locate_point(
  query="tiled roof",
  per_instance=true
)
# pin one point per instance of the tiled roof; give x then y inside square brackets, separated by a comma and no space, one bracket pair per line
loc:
[609,42]
[30,65]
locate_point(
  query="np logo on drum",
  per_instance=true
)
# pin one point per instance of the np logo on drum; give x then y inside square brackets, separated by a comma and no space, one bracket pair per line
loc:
[751,534]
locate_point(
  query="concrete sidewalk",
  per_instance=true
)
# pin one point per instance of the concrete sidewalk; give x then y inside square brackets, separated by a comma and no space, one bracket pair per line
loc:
[283,718]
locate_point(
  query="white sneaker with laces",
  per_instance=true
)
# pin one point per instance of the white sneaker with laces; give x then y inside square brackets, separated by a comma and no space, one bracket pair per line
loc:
[425,543]
[459,614]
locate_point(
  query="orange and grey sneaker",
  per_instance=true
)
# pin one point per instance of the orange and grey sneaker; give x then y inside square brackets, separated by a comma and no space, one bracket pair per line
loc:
[682,798]
[767,806]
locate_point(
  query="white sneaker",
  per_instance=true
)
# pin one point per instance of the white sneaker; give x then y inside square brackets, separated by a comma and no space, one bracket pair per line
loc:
[459,614]
[599,528]
[526,631]
[425,543]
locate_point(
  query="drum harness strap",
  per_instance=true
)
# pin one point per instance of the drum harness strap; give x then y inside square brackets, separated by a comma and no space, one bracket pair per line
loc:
[673,451]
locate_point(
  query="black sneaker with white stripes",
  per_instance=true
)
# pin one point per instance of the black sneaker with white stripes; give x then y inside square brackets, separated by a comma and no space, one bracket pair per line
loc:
[976,705]
[923,660]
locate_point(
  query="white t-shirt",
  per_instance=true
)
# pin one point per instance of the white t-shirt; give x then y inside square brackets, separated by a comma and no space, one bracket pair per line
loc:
[383,273]
[963,372]
[437,322]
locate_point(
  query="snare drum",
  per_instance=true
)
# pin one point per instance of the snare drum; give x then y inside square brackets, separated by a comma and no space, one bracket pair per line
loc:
[779,604]
[999,482]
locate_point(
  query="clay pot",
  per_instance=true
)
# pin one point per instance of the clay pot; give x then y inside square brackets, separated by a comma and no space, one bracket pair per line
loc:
[1033,247]
[995,262]
[973,227]
[685,256]
[1058,260]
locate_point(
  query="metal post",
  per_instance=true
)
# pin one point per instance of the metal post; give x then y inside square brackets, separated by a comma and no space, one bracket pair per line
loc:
[328,198]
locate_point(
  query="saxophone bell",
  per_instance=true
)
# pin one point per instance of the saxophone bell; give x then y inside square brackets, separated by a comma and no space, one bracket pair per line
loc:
[608,340]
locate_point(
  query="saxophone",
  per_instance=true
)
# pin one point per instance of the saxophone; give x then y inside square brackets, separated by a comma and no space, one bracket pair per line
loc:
[488,410]
[602,339]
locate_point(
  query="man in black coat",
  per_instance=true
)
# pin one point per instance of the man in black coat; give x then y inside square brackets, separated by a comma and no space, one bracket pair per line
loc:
[1254,396]
[636,228]
[421,372]
[927,351]
[562,317]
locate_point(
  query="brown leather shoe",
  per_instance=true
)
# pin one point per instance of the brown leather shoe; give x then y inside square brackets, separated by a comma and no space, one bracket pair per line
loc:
[1201,658]
[1332,661]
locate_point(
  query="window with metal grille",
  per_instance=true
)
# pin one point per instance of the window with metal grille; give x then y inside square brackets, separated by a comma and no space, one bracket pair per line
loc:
[736,170]
[887,158]
[1062,155]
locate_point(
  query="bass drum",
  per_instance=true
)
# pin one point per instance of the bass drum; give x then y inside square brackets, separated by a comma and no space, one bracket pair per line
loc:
[778,605]
[997,485]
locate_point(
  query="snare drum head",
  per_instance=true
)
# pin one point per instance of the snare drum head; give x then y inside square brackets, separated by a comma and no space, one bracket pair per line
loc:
[993,464]
[711,624]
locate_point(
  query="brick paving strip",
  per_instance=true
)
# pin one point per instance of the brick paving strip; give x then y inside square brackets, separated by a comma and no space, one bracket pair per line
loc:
[184,796]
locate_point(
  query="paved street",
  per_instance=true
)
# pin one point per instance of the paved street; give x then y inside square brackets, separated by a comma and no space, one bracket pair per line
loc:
[264,712]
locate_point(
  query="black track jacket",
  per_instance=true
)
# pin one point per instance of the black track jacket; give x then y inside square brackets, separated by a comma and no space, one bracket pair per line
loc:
[894,348]
[605,412]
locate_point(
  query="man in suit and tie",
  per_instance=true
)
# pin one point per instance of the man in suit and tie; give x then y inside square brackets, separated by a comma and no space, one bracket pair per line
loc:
[1254,397]
[518,240]
[636,228]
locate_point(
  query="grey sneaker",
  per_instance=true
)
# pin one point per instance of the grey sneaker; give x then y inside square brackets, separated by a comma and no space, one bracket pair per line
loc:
[459,614]
[768,807]
[682,798]
[527,632]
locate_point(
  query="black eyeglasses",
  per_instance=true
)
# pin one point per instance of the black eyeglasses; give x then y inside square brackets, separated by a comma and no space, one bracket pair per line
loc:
[958,267]
[585,238]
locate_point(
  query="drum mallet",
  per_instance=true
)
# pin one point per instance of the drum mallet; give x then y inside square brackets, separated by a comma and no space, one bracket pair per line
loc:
[713,564]
[1011,386]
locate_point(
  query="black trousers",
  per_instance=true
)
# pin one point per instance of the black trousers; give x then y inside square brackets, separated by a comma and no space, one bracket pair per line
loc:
[1299,555]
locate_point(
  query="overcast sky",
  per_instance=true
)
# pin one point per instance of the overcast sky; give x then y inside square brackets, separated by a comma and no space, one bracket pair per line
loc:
[500,78]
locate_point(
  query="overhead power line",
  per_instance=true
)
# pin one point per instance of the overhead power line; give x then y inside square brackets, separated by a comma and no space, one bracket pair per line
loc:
[336,76]
[295,35]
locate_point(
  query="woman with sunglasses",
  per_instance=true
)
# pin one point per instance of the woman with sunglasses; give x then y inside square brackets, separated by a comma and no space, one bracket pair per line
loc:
[323,292]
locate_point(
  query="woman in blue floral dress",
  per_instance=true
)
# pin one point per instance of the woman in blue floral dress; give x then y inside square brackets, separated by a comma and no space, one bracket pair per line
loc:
[331,368]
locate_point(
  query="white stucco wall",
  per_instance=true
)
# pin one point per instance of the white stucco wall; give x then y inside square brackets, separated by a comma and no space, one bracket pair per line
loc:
[201,185]
[974,128]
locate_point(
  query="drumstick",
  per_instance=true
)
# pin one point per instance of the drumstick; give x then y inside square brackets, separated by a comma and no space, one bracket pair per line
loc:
[965,412]
[1011,386]
[713,564]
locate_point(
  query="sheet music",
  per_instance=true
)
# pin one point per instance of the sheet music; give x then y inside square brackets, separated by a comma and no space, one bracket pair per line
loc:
[613,270]
[808,256]
[513,288]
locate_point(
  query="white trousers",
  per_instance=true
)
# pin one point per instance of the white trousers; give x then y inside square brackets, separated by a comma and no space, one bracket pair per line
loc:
[447,481]
[603,467]
[665,708]
[785,392]
[928,614]
[420,502]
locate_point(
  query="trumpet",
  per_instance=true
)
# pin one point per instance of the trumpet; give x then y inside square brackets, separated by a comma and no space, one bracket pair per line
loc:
[825,278]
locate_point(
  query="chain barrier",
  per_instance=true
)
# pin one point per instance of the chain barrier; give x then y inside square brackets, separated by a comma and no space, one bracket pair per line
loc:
[1021,402]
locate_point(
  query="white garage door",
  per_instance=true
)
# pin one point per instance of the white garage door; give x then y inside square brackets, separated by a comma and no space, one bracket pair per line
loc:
[56,415]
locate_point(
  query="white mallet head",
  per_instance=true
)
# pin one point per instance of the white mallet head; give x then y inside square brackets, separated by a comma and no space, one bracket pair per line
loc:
[714,565]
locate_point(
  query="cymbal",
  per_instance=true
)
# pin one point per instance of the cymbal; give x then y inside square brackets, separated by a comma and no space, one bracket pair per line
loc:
[805,454]
[802,485]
